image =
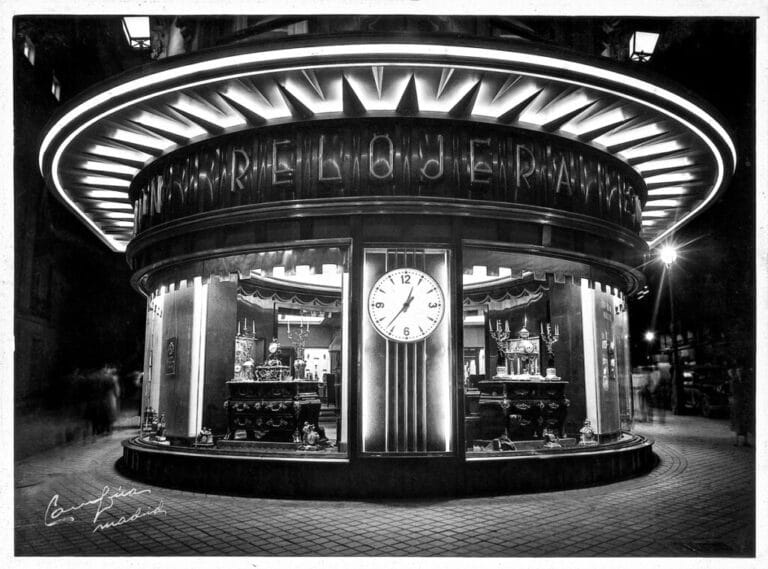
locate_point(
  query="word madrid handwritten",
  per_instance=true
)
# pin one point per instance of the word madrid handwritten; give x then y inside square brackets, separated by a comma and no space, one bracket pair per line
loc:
[55,514]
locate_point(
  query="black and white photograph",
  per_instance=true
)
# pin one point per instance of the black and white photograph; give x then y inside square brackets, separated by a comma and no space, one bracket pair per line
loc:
[407,282]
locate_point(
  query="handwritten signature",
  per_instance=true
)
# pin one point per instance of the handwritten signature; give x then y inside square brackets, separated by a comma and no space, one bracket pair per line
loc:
[55,514]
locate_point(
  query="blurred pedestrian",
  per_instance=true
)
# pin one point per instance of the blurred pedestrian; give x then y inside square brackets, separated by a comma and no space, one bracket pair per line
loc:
[741,410]
[646,402]
[660,398]
[103,391]
[664,386]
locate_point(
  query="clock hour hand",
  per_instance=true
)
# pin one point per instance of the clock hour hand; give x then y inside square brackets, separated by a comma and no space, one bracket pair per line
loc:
[403,308]
[408,300]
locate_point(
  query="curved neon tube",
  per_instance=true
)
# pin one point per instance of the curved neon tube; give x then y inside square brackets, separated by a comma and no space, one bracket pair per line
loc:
[384,49]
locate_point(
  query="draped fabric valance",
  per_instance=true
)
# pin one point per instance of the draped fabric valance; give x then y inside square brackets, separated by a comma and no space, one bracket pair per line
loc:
[258,290]
[283,262]
[506,296]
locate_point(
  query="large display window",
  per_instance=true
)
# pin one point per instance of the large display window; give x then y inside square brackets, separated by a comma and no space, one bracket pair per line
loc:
[254,359]
[545,354]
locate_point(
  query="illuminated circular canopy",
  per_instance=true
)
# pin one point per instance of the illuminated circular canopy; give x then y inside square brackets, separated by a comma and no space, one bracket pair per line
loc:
[95,147]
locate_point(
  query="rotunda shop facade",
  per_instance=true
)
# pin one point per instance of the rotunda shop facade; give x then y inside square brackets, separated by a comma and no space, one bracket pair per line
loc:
[376,267]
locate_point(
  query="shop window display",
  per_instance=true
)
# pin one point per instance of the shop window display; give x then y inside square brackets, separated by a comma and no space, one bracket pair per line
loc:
[254,360]
[544,351]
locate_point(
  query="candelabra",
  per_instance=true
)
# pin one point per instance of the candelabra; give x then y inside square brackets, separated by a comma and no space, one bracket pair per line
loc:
[549,336]
[500,336]
[298,337]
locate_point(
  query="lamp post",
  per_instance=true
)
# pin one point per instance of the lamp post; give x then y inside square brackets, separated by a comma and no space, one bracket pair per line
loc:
[668,255]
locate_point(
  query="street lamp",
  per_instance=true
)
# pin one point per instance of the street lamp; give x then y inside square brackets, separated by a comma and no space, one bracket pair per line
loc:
[641,46]
[136,30]
[668,255]
[650,336]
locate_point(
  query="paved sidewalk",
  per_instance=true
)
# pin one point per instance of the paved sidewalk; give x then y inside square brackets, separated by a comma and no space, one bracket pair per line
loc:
[698,502]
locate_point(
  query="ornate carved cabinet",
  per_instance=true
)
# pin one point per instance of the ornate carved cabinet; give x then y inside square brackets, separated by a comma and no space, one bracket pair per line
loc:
[522,409]
[271,411]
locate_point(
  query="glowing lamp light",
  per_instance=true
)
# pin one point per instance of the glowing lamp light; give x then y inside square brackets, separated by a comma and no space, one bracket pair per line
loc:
[301,319]
[478,319]
[650,336]
[136,30]
[641,46]
[668,254]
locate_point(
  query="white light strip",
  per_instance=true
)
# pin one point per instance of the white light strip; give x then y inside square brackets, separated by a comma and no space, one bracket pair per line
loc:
[444,371]
[114,152]
[553,111]
[107,194]
[191,70]
[671,178]
[624,136]
[113,205]
[614,116]
[258,104]
[298,319]
[141,84]
[105,181]
[662,213]
[651,149]
[194,108]
[663,203]
[171,126]
[589,333]
[663,164]
[670,191]
[197,358]
[118,215]
[149,141]
[345,363]
[155,341]
[109,167]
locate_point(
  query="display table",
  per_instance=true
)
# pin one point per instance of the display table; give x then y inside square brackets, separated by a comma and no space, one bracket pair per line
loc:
[524,408]
[271,411]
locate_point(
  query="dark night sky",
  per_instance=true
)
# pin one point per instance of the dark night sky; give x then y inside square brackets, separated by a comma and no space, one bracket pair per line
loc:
[714,59]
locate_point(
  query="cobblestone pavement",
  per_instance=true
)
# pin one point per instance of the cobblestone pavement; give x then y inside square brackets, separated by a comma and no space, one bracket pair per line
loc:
[698,502]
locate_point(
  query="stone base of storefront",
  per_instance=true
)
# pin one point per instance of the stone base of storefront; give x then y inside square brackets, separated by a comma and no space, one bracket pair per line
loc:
[220,471]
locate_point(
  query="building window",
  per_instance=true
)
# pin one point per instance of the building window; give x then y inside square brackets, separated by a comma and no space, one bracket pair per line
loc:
[56,88]
[295,29]
[298,28]
[29,50]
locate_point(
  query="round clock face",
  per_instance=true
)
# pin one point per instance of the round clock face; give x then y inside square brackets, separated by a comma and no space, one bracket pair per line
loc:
[527,347]
[406,305]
